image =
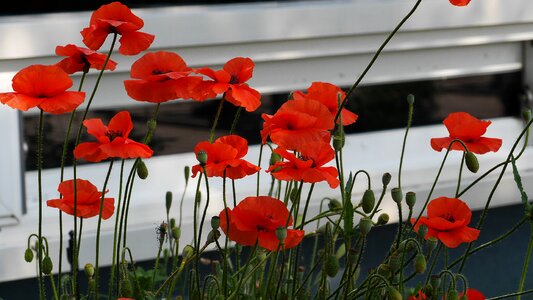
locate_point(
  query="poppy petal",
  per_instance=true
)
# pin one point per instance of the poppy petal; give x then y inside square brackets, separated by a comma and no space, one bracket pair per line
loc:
[121,122]
[62,103]
[126,148]
[94,37]
[19,101]
[454,238]
[460,2]
[90,152]
[243,95]
[133,43]
[95,127]
[241,68]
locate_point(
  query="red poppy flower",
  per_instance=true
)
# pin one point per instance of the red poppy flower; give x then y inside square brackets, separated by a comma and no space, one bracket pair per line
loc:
[472,294]
[117,18]
[328,94]
[225,155]
[419,296]
[160,77]
[79,59]
[460,2]
[231,80]
[447,221]
[255,219]
[113,140]
[45,87]
[298,124]
[307,168]
[88,200]
[462,126]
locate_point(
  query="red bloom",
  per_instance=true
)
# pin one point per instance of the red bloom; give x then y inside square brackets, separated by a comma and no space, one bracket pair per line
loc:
[160,77]
[88,200]
[419,296]
[462,126]
[447,221]
[225,155]
[113,140]
[255,219]
[298,124]
[328,94]
[307,168]
[80,59]
[231,80]
[117,18]
[45,87]
[460,2]
[472,294]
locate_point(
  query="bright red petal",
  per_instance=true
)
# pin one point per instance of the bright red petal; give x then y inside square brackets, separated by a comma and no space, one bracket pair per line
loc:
[126,148]
[241,68]
[19,101]
[90,152]
[133,43]
[41,81]
[121,122]
[243,95]
[160,62]
[94,37]
[62,103]
[460,2]
[454,238]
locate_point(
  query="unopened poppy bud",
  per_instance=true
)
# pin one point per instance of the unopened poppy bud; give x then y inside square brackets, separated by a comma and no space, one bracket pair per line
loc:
[338,139]
[526,114]
[386,178]
[89,270]
[28,255]
[332,265]
[168,200]
[410,99]
[432,243]
[281,234]
[274,158]
[188,251]
[198,198]
[334,205]
[420,263]
[396,194]
[410,199]
[422,231]
[126,290]
[393,294]
[406,246]
[384,270]
[365,225]
[172,222]
[187,173]
[368,201]
[46,266]
[383,219]
[142,170]
[452,295]
[394,262]
[176,233]
[471,162]
[215,222]
[435,281]
[201,156]
[212,236]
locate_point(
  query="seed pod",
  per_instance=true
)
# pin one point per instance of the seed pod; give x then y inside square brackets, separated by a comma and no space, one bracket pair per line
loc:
[28,255]
[46,266]
[368,201]
[168,200]
[281,234]
[89,270]
[410,199]
[435,281]
[142,170]
[365,225]
[393,294]
[471,162]
[383,219]
[420,263]
[201,156]
[386,178]
[176,233]
[334,205]
[338,139]
[332,266]
[410,99]
[422,231]
[396,194]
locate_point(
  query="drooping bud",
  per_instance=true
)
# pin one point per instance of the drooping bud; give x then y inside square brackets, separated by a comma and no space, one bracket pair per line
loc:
[187,252]
[435,281]
[471,162]
[383,219]
[386,178]
[396,194]
[168,200]
[46,266]
[215,222]
[365,225]
[332,265]
[142,170]
[432,243]
[422,231]
[393,294]
[201,156]
[384,270]
[368,201]
[452,295]
[338,138]
[187,173]
[334,205]
[410,199]
[212,236]
[395,262]
[28,255]
[281,234]
[176,233]
[274,158]
[89,270]
[420,263]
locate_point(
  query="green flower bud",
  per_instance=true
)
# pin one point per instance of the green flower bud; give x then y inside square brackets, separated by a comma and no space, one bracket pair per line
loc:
[281,234]
[422,231]
[365,225]
[28,255]
[384,270]
[396,194]
[126,289]
[338,139]
[393,294]
[471,162]
[386,178]
[201,156]
[383,219]
[526,114]
[435,281]
[212,236]
[176,233]
[406,246]
[89,270]
[395,262]
[334,205]
[215,222]
[420,263]
[142,170]
[410,99]
[172,222]
[187,173]
[274,158]
[188,251]
[332,265]
[452,295]
[168,200]
[368,201]
[46,265]
[432,243]
[410,199]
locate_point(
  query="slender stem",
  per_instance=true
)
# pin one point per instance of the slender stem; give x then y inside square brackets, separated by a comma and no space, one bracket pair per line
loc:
[96,279]
[435,259]
[39,182]
[404,143]
[252,253]
[217,116]
[235,120]
[511,295]
[460,175]
[202,223]
[115,234]
[156,266]
[526,263]
[259,173]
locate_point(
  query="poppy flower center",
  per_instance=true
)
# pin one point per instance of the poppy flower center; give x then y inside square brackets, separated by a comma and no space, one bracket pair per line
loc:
[159,72]
[112,134]
[261,228]
[234,79]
